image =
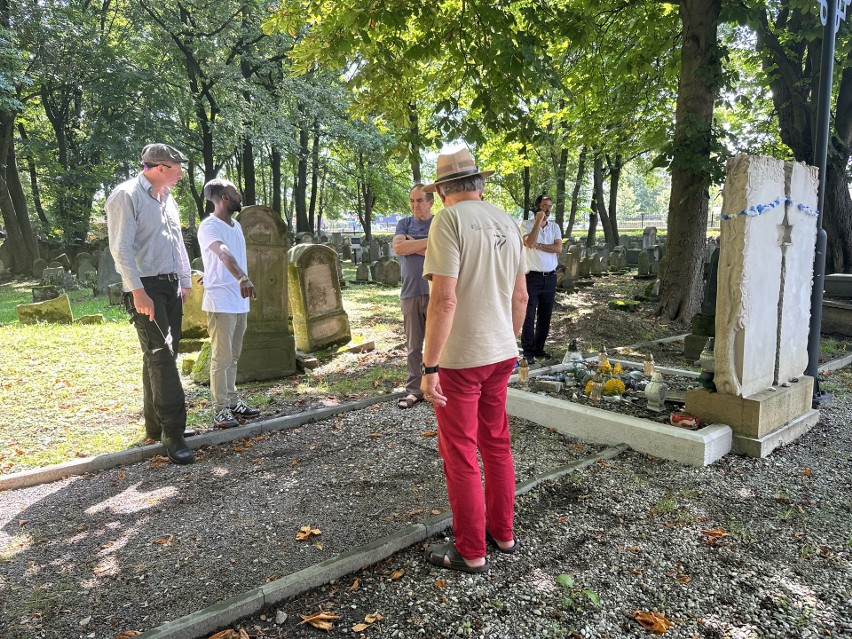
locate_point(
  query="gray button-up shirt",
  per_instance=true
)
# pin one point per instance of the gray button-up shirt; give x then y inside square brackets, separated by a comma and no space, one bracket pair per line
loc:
[144,234]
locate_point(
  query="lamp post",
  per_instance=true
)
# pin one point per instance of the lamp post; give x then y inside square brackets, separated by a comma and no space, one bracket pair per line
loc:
[831,13]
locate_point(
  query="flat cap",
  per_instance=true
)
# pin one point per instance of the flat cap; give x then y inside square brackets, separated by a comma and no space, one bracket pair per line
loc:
[162,154]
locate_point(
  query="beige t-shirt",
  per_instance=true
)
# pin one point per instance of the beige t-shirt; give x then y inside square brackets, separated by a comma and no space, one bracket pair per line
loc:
[480,246]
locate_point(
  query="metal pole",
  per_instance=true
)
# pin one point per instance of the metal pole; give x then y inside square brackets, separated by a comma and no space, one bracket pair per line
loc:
[830,26]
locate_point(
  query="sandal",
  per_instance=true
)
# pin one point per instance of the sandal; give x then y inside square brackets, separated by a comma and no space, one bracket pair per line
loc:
[505,551]
[408,401]
[446,556]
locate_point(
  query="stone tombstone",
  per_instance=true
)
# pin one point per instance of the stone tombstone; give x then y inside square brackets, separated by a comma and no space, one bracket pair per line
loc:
[84,268]
[69,281]
[386,249]
[377,270]
[703,325]
[304,238]
[375,249]
[585,268]
[46,292]
[362,273]
[654,260]
[624,240]
[318,316]
[346,249]
[323,238]
[337,239]
[392,273]
[38,267]
[633,256]
[63,259]
[340,272]
[268,348]
[106,272]
[54,311]
[644,264]
[115,291]
[572,263]
[356,248]
[614,261]
[598,264]
[52,254]
[765,273]
[53,276]
[82,256]
[193,325]
[649,237]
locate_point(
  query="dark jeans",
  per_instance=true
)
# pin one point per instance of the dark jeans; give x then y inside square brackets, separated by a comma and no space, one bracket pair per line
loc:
[542,292]
[164,403]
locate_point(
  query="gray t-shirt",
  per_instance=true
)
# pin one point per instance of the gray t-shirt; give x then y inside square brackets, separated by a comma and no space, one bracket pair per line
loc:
[411,266]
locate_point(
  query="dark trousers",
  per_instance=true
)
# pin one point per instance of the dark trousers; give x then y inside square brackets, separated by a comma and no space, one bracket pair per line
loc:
[164,403]
[542,292]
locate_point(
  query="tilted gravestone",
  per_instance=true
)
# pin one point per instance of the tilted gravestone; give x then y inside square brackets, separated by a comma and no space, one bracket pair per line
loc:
[55,311]
[268,347]
[318,316]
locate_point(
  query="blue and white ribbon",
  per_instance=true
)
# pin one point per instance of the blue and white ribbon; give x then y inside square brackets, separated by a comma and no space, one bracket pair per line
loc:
[759,209]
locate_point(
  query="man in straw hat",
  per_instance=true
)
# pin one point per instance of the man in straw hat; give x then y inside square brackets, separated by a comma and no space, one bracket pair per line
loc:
[146,242]
[478,298]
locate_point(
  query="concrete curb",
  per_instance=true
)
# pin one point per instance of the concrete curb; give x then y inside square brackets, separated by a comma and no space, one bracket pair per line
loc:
[99,463]
[203,622]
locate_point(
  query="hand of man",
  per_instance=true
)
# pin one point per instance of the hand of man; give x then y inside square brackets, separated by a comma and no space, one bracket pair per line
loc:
[143,303]
[247,289]
[184,293]
[430,385]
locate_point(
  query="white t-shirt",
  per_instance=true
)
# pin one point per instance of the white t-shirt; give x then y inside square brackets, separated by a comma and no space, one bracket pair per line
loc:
[480,246]
[221,288]
[539,260]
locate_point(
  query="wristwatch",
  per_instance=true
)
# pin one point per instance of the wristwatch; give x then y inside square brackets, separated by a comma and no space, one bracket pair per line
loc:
[244,278]
[428,370]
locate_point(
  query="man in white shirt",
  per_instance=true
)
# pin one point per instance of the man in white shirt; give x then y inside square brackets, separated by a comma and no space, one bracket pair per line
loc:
[542,245]
[227,289]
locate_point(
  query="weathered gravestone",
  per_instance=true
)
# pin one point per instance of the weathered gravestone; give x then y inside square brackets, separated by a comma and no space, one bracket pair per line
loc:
[106,272]
[318,316]
[362,273]
[193,325]
[649,237]
[115,292]
[392,273]
[377,270]
[346,249]
[55,311]
[268,347]
[62,258]
[38,267]
[82,256]
[768,231]
[46,292]
[54,276]
[375,250]
[704,322]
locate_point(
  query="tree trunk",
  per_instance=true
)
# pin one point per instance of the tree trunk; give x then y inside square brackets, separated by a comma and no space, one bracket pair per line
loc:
[681,272]
[600,206]
[414,142]
[593,224]
[575,194]
[275,168]
[839,222]
[34,187]
[561,170]
[314,176]
[614,179]
[300,187]
[249,174]
[20,244]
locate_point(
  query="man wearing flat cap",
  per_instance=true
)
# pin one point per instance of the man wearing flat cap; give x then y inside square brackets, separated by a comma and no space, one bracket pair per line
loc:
[477,303]
[146,242]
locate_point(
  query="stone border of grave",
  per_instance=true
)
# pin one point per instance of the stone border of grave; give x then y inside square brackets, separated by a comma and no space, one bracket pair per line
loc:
[82,466]
[201,623]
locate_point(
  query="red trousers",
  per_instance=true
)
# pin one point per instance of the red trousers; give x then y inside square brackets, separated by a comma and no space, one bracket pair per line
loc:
[475,418]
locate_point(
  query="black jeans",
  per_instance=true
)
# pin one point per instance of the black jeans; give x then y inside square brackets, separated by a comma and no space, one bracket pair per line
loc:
[542,291]
[164,403]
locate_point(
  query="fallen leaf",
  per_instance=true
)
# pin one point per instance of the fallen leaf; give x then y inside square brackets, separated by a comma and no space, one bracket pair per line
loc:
[634,548]
[397,574]
[562,519]
[318,546]
[321,620]
[294,462]
[428,433]
[806,472]
[603,462]
[716,532]
[440,583]
[638,573]
[243,634]
[305,532]
[416,511]
[163,541]
[107,544]
[652,621]
[121,474]
[360,627]
[355,585]
[373,618]
[436,511]
[127,634]
[223,634]
[374,435]
[683,579]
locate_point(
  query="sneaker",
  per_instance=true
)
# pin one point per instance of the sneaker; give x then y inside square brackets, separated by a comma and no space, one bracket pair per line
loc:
[241,409]
[225,419]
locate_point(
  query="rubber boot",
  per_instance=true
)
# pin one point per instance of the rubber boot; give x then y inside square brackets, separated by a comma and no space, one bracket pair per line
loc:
[176,447]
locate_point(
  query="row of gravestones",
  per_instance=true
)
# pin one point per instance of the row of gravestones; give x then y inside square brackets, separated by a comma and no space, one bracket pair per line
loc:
[383,271]
[62,274]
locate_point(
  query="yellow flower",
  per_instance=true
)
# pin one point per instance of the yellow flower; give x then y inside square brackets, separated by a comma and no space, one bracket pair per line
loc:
[613,386]
[616,370]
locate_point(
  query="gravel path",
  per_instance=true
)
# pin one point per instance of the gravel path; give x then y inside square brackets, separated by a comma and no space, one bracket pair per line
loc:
[744,548]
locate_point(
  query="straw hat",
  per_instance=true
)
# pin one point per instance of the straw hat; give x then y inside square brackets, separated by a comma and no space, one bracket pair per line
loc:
[453,166]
